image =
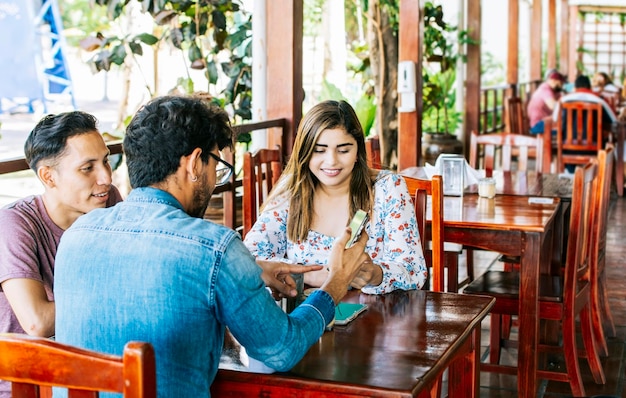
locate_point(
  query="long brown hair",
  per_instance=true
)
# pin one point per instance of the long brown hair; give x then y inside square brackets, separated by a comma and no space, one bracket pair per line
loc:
[298,182]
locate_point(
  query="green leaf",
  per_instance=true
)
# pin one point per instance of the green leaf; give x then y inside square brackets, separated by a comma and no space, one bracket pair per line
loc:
[118,54]
[211,72]
[219,19]
[147,38]
[135,48]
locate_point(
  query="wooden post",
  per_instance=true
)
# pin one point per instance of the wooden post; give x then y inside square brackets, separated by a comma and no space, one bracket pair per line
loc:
[535,41]
[410,36]
[472,81]
[572,70]
[551,50]
[565,32]
[284,68]
[512,68]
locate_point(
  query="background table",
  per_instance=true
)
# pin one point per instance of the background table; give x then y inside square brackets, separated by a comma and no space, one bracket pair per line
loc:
[398,347]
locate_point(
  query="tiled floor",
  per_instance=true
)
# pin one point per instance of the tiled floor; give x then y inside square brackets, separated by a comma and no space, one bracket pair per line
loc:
[497,385]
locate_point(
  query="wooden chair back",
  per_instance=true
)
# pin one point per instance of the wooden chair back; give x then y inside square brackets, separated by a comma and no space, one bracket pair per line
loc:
[579,133]
[261,171]
[372,149]
[508,144]
[517,121]
[34,364]
[421,189]
[601,312]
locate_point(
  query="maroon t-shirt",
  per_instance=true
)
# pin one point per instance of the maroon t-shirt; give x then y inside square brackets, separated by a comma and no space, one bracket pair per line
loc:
[28,245]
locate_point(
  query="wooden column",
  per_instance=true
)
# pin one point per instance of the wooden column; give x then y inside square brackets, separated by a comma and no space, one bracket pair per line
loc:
[564,47]
[535,41]
[551,50]
[472,80]
[573,55]
[512,68]
[410,36]
[284,68]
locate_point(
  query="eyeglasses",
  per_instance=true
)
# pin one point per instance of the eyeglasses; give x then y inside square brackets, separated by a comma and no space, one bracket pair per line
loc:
[223,171]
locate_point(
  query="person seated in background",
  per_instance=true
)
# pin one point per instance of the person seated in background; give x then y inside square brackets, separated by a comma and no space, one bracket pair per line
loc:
[70,158]
[543,101]
[583,92]
[152,269]
[324,183]
[601,82]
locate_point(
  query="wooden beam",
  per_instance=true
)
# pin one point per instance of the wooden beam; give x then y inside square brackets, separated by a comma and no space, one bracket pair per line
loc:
[284,68]
[551,50]
[512,68]
[411,31]
[472,80]
[535,40]
[572,41]
[565,47]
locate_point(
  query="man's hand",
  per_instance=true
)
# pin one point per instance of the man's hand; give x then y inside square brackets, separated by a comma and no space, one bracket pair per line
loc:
[277,276]
[344,265]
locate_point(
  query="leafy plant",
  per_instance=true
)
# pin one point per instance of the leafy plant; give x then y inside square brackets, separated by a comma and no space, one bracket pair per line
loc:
[442,43]
[215,36]
[365,106]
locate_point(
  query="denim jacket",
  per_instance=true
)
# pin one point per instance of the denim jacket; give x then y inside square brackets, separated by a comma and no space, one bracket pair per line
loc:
[145,270]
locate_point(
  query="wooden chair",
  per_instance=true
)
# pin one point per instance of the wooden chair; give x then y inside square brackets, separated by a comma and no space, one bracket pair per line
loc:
[579,133]
[507,144]
[372,148]
[261,171]
[517,120]
[421,189]
[601,312]
[562,298]
[34,364]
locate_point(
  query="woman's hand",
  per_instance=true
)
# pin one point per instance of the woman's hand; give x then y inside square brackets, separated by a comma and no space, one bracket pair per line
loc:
[369,274]
[277,276]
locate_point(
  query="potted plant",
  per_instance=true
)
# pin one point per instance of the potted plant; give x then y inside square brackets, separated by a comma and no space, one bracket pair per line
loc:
[440,119]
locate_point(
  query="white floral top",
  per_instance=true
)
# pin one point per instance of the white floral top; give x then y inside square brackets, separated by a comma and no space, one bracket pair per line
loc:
[394,241]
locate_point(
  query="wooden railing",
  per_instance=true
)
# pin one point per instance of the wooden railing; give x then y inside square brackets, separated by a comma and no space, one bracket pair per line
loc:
[492,99]
[228,190]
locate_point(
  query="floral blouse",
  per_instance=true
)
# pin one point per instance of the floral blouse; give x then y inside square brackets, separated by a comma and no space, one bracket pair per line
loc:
[394,241]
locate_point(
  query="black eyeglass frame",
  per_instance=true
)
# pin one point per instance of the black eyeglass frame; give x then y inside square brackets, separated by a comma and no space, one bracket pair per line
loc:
[231,170]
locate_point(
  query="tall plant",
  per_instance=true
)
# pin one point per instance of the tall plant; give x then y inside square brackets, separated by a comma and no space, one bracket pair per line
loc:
[214,36]
[442,50]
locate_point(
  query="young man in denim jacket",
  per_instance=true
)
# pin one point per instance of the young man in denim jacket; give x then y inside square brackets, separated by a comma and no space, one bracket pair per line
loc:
[151,269]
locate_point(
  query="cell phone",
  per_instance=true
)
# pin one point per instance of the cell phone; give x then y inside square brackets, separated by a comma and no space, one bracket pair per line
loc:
[357,224]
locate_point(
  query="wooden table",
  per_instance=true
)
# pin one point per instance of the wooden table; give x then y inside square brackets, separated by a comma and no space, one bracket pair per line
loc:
[397,348]
[512,226]
[530,183]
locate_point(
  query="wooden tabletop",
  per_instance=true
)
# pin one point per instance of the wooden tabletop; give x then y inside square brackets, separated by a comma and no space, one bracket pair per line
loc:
[398,347]
[530,183]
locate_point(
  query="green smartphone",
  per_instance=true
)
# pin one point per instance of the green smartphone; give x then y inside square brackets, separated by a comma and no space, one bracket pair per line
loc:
[356,225]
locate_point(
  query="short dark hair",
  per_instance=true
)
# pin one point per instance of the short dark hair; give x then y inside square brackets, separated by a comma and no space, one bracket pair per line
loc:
[582,81]
[49,137]
[168,128]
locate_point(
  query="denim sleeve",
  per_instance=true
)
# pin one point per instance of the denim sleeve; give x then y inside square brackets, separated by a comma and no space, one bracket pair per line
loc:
[244,305]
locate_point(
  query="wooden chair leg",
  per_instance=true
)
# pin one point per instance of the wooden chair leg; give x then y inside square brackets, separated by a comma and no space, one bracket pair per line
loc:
[605,309]
[495,339]
[452,264]
[469,263]
[571,357]
[590,346]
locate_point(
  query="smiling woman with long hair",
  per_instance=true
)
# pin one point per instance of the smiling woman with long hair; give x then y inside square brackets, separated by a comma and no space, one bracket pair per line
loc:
[325,182]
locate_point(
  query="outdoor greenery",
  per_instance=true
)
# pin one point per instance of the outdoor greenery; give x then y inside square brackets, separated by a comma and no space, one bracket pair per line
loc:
[442,50]
[214,36]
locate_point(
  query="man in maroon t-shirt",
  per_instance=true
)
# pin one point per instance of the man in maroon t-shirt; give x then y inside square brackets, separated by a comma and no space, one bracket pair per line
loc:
[70,158]
[543,101]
